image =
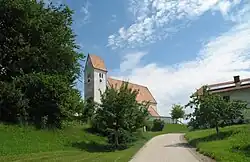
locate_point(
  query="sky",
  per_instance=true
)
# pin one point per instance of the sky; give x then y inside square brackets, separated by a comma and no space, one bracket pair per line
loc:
[172,47]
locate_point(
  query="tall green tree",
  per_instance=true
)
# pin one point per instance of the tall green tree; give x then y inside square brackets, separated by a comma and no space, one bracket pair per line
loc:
[120,114]
[39,63]
[177,112]
[35,39]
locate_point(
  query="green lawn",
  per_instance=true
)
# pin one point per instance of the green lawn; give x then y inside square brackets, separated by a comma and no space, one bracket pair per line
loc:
[71,144]
[232,144]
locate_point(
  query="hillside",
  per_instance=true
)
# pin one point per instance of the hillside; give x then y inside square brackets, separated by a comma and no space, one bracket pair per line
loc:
[71,144]
[232,144]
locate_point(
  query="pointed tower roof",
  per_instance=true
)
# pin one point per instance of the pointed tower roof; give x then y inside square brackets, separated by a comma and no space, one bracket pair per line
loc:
[97,62]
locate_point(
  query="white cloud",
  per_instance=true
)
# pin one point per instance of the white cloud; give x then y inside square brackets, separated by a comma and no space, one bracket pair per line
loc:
[219,60]
[131,60]
[153,18]
[85,11]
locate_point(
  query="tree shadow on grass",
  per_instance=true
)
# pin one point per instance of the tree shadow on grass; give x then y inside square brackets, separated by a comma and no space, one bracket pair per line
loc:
[212,137]
[92,146]
[244,150]
[182,144]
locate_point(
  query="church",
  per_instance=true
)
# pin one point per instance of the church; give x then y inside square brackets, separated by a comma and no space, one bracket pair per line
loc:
[96,80]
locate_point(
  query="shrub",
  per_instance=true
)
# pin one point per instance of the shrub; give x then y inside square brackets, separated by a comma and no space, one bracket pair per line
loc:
[124,138]
[149,125]
[158,125]
[13,104]
[89,107]
[43,100]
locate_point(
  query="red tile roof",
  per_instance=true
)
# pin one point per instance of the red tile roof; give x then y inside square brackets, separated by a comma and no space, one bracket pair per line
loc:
[143,95]
[152,112]
[97,62]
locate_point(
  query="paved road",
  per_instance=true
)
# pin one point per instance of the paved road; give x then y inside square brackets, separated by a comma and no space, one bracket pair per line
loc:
[166,148]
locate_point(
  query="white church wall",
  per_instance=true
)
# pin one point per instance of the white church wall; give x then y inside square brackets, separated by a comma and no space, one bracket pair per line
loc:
[100,83]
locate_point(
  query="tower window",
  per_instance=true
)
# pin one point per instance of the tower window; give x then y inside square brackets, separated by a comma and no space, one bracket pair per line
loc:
[101,75]
[88,78]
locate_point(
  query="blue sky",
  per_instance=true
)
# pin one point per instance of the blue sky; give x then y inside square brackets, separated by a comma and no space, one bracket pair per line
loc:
[173,47]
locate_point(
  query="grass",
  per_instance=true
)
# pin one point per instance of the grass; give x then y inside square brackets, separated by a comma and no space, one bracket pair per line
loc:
[231,145]
[71,144]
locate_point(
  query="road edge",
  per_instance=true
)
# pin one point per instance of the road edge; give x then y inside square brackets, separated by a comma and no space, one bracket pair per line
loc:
[195,153]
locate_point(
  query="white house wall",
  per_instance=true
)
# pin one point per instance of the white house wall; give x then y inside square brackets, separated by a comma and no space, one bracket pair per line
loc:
[242,94]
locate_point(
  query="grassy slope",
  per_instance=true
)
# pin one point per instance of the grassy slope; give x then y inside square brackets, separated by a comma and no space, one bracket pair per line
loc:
[71,144]
[232,145]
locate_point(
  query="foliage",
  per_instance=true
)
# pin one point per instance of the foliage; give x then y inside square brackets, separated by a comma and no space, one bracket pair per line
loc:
[158,125]
[149,125]
[13,103]
[36,39]
[119,113]
[212,111]
[177,112]
[125,137]
[49,100]
[231,145]
[39,63]
[88,109]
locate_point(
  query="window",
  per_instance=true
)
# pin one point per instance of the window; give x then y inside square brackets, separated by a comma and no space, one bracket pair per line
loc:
[88,78]
[226,98]
[101,75]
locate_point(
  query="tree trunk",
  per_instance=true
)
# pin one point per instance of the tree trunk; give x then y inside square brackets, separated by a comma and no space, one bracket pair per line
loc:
[116,139]
[116,136]
[217,129]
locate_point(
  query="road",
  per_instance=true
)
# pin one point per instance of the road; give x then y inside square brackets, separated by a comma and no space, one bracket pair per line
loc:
[168,148]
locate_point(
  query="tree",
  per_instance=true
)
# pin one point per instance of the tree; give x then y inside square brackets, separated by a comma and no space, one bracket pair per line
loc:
[39,63]
[212,111]
[120,114]
[88,109]
[177,112]
[35,38]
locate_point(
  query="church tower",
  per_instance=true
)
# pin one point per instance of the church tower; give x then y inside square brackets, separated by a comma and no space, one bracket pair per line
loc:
[95,78]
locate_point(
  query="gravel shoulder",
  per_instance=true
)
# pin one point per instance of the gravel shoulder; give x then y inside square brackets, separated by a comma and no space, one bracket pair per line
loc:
[169,148]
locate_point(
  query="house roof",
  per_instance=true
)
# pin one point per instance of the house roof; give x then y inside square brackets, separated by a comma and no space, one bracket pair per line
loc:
[97,62]
[227,86]
[152,111]
[143,95]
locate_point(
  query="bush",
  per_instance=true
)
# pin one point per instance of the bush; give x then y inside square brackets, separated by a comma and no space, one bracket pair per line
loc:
[149,125]
[13,104]
[43,100]
[158,125]
[124,137]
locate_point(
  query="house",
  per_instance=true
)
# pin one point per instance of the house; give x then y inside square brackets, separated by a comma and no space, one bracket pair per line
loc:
[238,89]
[96,81]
